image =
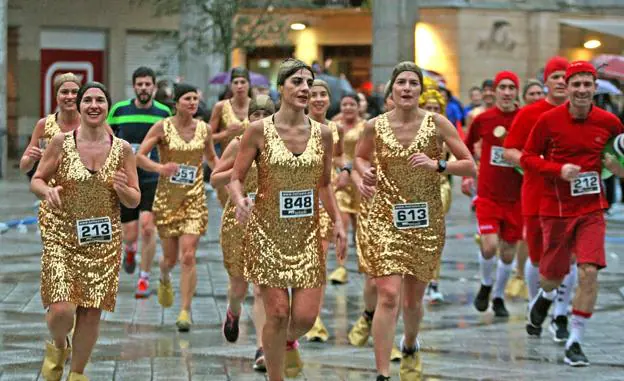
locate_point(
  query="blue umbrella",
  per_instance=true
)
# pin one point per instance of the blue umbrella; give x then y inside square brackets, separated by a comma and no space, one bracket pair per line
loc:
[255,78]
[607,87]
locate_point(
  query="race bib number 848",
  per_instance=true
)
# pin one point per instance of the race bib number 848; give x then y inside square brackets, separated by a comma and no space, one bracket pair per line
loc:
[295,204]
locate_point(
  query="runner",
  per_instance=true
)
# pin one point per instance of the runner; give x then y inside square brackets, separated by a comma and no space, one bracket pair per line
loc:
[180,210]
[294,159]
[571,138]
[498,194]
[406,244]
[131,120]
[233,234]
[83,176]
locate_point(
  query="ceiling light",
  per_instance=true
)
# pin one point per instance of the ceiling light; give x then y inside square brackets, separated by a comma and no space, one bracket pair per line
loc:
[297,26]
[592,44]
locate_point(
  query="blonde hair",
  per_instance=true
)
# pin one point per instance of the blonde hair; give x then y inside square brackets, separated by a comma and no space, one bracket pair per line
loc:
[432,95]
[320,82]
[59,80]
[261,102]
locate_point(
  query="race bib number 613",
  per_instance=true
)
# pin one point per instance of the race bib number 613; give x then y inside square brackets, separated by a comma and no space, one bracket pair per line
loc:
[411,216]
[295,204]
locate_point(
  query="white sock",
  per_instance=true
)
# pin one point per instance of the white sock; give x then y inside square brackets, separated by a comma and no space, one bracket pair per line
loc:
[531,275]
[144,274]
[577,330]
[550,295]
[503,272]
[486,267]
[564,293]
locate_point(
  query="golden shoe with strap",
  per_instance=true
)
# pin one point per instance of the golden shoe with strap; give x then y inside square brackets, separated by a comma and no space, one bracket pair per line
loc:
[184,321]
[318,332]
[293,365]
[339,276]
[358,336]
[411,364]
[73,376]
[165,294]
[54,361]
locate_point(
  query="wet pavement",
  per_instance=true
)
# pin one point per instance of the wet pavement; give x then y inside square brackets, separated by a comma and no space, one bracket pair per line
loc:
[139,341]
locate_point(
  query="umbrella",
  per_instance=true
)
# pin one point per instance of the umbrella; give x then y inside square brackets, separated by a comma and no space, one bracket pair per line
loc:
[255,78]
[610,66]
[606,87]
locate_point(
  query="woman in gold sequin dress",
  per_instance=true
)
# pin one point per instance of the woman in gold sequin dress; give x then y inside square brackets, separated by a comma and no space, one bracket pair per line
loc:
[180,210]
[317,111]
[406,245]
[81,179]
[66,119]
[229,116]
[233,236]
[293,155]
[346,194]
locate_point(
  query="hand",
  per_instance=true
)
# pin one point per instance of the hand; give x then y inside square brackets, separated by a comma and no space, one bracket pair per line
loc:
[235,129]
[611,163]
[343,180]
[34,153]
[243,210]
[570,171]
[340,238]
[120,181]
[168,169]
[365,190]
[467,186]
[420,160]
[369,177]
[53,196]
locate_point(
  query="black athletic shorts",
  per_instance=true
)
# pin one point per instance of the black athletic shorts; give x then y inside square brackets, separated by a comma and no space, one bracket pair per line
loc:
[148,192]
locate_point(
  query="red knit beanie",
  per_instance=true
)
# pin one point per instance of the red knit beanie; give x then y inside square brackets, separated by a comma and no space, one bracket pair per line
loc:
[577,67]
[555,64]
[510,75]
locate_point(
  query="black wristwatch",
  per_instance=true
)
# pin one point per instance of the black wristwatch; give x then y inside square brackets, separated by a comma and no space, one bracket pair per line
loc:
[441,166]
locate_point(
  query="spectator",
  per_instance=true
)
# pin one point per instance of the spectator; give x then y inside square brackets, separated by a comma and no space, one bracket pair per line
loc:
[475,100]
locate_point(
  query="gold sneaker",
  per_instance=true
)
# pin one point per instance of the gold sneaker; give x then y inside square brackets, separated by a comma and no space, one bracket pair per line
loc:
[339,276]
[514,287]
[77,377]
[318,332]
[395,354]
[184,321]
[477,238]
[358,336]
[165,294]
[54,362]
[293,365]
[411,367]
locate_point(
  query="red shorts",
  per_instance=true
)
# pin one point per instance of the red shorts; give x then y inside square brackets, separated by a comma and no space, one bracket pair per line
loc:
[500,218]
[533,237]
[583,235]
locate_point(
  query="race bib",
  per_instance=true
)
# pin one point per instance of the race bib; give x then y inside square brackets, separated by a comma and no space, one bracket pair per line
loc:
[185,175]
[585,183]
[135,147]
[496,157]
[295,204]
[252,196]
[411,216]
[94,230]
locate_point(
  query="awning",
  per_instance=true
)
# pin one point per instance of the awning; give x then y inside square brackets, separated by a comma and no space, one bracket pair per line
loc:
[613,27]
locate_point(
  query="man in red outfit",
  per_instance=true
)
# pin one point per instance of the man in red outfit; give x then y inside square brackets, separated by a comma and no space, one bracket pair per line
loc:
[498,194]
[566,147]
[532,185]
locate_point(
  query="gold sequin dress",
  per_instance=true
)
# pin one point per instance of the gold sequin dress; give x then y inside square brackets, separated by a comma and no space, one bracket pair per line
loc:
[400,244]
[228,116]
[82,267]
[180,202]
[348,198]
[327,226]
[285,252]
[233,233]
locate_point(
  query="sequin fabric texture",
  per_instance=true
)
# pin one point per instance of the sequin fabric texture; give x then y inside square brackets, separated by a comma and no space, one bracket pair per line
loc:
[50,128]
[228,116]
[327,226]
[413,251]
[348,198]
[285,252]
[233,233]
[181,208]
[86,275]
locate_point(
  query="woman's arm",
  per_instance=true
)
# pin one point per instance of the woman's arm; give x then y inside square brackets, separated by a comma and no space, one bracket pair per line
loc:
[32,153]
[126,180]
[153,137]
[222,173]
[46,169]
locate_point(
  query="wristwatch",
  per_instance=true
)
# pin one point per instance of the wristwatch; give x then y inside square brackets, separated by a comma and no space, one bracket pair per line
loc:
[441,166]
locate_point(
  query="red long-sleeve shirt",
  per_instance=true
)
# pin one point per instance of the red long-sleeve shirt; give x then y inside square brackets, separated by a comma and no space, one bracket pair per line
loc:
[521,127]
[497,180]
[561,140]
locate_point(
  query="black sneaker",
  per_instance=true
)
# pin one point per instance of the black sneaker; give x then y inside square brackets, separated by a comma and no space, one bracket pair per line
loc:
[382,378]
[482,300]
[533,331]
[559,328]
[574,356]
[259,363]
[129,262]
[498,306]
[538,311]
[230,326]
